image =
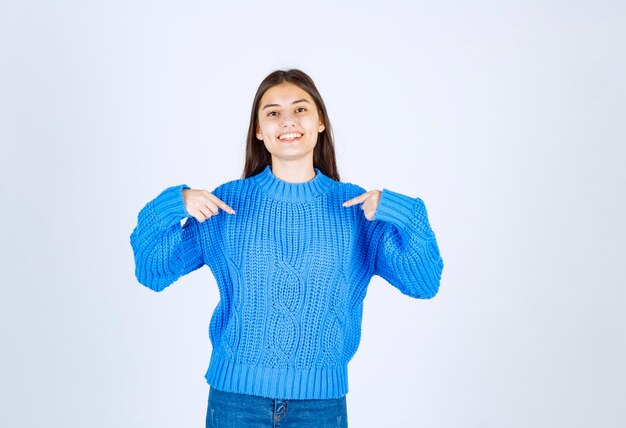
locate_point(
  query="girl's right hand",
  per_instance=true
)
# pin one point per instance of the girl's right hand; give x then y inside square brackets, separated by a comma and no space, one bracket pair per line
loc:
[203,204]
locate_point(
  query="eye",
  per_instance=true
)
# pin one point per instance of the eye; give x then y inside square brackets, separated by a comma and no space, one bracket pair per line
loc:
[270,113]
[303,108]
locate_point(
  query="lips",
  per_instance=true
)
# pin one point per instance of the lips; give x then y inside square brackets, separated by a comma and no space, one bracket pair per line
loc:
[293,140]
[290,136]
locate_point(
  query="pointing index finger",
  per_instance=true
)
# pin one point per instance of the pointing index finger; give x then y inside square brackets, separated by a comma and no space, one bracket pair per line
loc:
[223,205]
[362,197]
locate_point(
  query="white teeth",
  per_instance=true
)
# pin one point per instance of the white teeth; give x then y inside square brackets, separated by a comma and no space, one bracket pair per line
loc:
[290,136]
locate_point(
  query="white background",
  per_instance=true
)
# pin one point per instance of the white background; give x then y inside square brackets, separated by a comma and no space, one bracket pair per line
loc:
[506,118]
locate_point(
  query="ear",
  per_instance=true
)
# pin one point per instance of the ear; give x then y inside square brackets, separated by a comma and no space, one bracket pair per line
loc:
[258,134]
[321,127]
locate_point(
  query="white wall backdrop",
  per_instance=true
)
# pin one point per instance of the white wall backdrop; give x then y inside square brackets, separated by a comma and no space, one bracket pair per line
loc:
[506,118]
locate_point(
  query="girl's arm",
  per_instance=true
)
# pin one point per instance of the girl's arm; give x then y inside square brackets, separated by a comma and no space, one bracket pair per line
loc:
[163,249]
[403,249]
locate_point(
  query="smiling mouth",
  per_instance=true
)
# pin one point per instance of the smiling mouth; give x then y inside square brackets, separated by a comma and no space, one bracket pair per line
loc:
[289,137]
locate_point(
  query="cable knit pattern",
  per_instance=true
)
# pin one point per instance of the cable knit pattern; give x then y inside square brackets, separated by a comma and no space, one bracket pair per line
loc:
[292,267]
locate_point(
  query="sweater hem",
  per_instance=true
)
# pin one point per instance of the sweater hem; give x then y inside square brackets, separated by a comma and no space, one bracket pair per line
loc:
[282,382]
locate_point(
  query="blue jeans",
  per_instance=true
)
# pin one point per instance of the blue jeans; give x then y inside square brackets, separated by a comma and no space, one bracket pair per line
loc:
[232,410]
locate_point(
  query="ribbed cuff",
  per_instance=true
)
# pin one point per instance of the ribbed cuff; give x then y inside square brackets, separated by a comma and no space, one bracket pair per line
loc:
[169,206]
[395,208]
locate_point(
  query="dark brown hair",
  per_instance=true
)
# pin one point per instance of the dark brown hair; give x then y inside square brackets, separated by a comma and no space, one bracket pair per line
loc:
[258,157]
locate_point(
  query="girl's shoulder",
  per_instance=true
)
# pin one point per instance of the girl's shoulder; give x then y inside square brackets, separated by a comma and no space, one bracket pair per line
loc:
[346,187]
[228,186]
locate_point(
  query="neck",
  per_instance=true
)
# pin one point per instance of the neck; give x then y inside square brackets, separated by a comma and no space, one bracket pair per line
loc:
[293,172]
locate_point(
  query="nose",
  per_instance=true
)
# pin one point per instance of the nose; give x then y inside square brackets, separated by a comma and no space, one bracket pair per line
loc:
[288,120]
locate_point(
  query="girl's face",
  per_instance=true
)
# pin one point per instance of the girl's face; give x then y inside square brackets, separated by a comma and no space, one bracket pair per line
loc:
[288,122]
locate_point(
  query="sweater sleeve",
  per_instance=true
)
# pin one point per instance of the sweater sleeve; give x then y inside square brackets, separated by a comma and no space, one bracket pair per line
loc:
[405,250]
[163,249]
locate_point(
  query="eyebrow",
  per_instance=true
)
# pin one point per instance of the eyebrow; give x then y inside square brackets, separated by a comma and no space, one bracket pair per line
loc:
[278,105]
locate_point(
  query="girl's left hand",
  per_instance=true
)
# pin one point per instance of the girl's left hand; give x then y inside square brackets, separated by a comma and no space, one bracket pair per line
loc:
[370,202]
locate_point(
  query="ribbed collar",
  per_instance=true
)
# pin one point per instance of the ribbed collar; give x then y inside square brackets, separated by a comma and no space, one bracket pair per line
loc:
[293,192]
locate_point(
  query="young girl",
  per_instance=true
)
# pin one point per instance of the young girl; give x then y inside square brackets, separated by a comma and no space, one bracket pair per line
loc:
[292,255]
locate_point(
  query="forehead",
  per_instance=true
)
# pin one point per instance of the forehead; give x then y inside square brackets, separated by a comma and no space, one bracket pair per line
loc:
[284,93]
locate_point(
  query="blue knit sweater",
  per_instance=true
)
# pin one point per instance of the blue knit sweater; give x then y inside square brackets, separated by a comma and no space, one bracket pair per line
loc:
[292,267]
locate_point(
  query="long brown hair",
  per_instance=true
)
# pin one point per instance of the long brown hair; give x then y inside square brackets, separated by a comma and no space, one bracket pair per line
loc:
[258,157]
